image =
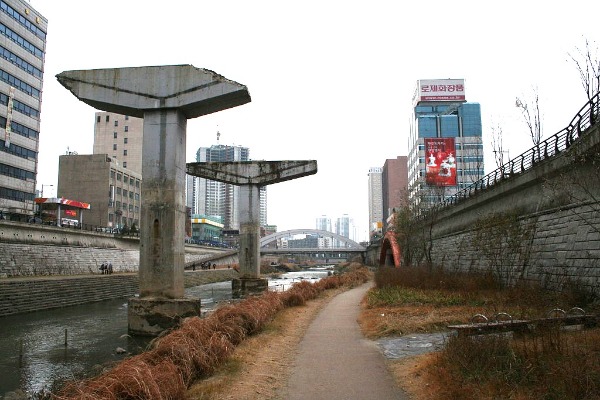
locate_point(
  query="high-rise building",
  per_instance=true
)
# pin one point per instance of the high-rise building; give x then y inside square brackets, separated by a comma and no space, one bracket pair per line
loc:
[323,223]
[445,143]
[394,183]
[120,136]
[375,200]
[344,226]
[222,199]
[22,51]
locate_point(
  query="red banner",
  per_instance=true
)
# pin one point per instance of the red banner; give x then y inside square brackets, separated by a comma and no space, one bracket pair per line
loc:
[440,162]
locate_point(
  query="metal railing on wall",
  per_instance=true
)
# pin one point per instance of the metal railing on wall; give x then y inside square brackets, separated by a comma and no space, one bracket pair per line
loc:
[554,145]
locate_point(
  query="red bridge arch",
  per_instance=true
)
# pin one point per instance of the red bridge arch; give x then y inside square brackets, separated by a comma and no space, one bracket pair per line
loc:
[390,253]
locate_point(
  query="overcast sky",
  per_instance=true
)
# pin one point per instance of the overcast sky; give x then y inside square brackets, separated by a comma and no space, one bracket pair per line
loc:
[330,81]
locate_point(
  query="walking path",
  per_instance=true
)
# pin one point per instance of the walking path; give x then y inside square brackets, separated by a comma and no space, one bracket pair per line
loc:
[334,361]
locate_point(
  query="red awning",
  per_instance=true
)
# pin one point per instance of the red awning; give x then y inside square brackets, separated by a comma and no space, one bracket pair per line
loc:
[63,201]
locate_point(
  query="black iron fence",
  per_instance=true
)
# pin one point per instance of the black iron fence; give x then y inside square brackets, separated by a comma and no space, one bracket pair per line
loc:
[558,143]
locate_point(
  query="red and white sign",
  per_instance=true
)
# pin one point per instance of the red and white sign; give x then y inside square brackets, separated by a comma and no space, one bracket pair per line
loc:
[440,162]
[440,90]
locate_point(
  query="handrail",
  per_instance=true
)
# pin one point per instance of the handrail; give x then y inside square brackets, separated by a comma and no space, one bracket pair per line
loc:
[554,145]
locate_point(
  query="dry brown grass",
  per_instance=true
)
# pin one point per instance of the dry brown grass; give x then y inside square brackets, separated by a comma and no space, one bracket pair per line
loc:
[550,364]
[198,348]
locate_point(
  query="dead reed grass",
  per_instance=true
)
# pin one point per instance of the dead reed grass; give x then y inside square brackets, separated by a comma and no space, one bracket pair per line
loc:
[550,363]
[198,347]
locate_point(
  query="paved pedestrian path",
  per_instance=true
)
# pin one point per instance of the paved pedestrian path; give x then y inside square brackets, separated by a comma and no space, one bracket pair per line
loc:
[335,361]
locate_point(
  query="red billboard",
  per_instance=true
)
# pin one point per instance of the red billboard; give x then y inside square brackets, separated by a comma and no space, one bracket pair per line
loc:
[440,162]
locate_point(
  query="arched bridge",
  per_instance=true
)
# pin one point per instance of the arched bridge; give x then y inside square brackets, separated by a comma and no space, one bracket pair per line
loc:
[347,245]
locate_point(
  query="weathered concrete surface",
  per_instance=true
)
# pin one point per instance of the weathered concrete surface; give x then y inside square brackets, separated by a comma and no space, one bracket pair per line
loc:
[251,176]
[165,96]
[260,173]
[135,90]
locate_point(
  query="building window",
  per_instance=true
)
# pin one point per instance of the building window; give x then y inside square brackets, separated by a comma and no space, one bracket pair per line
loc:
[130,194]
[119,176]
[124,193]
[126,128]
[115,135]
[111,217]
[131,181]
[127,118]
[137,196]
[116,123]
[98,119]
[112,174]
[125,152]
[125,140]
[118,190]
[114,146]
[137,183]
[124,164]
[107,118]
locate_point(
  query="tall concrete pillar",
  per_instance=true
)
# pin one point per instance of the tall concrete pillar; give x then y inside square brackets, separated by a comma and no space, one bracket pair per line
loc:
[250,176]
[166,97]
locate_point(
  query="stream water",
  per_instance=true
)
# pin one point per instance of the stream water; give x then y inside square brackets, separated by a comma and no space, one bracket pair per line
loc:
[39,348]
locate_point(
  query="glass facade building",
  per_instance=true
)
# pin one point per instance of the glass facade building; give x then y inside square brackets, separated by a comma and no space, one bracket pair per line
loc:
[450,121]
[212,198]
[22,54]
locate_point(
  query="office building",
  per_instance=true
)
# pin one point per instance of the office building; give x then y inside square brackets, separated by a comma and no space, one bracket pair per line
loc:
[218,198]
[120,136]
[113,192]
[324,223]
[394,186]
[22,52]
[445,142]
[375,200]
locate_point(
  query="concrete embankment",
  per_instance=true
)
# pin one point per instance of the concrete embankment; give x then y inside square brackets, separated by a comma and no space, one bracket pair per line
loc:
[20,295]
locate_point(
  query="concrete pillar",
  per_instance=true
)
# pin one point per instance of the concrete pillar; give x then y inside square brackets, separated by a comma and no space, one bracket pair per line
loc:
[250,176]
[162,251]
[165,96]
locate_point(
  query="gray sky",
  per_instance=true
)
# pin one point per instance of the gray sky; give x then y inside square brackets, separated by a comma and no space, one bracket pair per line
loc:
[330,80]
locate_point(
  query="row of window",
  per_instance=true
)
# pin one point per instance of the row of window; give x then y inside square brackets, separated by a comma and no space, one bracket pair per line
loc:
[15,37]
[119,177]
[19,129]
[19,62]
[13,194]
[17,150]
[123,206]
[20,107]
[125,193]
[14,172]
[30,26]
[123,221]
[19,84]
[108,119]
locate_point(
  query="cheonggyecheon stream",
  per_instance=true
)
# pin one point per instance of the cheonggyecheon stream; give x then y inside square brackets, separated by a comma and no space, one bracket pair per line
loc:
[39,348]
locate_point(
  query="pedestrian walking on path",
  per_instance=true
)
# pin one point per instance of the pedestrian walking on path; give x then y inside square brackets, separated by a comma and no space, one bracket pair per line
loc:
[336,362]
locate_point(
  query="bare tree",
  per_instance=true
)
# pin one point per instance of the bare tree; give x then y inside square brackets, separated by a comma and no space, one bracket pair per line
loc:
[498,145]
[587,62]
[530,110]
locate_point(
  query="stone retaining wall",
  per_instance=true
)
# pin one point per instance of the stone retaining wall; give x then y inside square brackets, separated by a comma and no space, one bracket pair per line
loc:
[20,295]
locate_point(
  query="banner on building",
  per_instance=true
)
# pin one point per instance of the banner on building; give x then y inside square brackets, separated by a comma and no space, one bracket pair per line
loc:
[440,162]
[439,90]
